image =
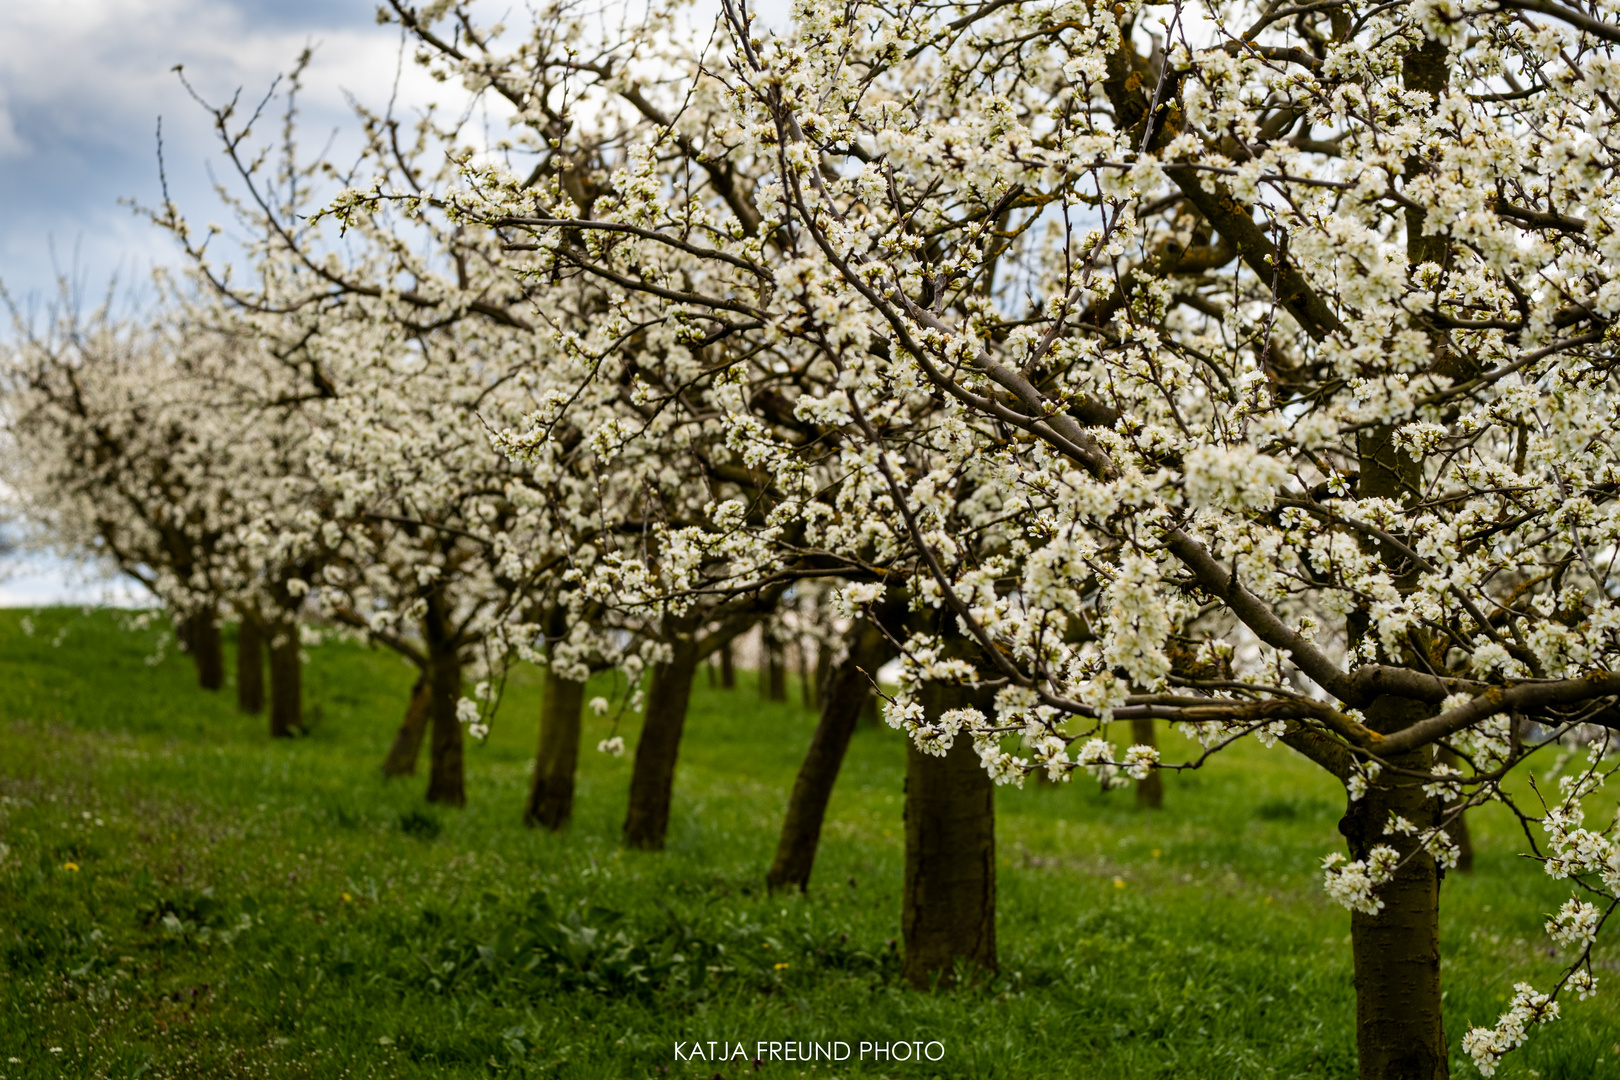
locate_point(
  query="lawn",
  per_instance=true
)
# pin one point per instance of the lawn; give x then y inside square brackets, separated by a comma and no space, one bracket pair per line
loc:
[179,896]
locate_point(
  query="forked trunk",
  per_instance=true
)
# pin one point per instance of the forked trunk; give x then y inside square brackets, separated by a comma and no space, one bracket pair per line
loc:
[1149,789]
[647,822]
[1400,1030]
[948,908]
[551,792]
[250,665]
[207,647]
[401,759]
[286,682]
[843,699]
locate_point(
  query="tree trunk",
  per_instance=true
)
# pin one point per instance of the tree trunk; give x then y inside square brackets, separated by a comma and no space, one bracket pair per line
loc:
[250,665]
[948,909]
[551,792]
[1149,789]
[446,779]
[824,673]
[653,779]
[807,688]
[207,647]
[286,682]
[1457,828]
[762,666]
[401,759]
[773,678]
[728,666]
[1400,1029]
[843,698]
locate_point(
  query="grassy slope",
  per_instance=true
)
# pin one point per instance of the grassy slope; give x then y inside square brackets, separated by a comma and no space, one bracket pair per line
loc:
[243,908]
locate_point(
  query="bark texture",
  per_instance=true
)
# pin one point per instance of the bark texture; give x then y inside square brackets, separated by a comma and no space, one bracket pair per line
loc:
[207,648]
[286,682]
[1400,1029]
[250,665]
[653,779]
[551,792]
[948,908]
[402,755]
[1149,789]
[844,696]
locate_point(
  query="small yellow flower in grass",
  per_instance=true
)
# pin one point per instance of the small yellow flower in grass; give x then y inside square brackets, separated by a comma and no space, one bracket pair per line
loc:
[1156,853]
[71,867]
[779,967]
[347,898]
[1268,899]
[1119,883]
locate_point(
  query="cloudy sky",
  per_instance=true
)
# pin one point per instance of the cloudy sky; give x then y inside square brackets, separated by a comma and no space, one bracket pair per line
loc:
[84,82]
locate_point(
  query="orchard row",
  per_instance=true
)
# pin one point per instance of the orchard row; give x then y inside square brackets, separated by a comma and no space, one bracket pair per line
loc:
[1244,367]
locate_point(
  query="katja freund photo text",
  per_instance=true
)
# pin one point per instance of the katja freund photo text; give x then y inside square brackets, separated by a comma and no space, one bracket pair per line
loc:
[836,1050]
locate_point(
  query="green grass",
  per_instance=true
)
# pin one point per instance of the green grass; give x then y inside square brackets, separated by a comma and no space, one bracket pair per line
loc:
[249,908]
